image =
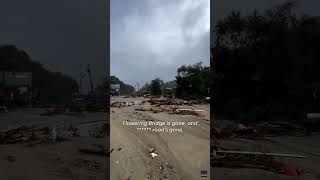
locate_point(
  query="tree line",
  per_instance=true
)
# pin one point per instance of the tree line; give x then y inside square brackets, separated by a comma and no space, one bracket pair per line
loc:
[266,64]
[47,86]
[191,82]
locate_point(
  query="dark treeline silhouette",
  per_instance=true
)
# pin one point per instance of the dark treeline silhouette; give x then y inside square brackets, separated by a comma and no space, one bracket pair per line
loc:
[48,87]
[266,64]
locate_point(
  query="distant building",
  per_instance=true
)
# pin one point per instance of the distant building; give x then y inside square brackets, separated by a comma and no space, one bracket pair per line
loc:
[169,92]
[15,86]
[16,79]
[169,89]
[114,89]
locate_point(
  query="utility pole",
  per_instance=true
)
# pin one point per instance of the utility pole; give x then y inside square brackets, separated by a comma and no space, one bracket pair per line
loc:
[80,79]
[80,82]
[89,72]
[138,86]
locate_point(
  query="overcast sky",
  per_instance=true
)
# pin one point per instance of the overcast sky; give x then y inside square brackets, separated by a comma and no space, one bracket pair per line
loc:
[152,38]
[60,34]
[221,8]
[149,38]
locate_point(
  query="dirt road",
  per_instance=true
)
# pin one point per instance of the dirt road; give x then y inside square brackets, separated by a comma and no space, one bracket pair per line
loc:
[181,155]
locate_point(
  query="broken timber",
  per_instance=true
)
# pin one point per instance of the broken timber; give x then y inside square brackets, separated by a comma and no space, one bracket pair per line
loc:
[260,153]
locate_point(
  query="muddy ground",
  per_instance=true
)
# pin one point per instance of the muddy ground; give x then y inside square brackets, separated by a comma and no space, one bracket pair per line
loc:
[305,145]
[53,160]
[181,156]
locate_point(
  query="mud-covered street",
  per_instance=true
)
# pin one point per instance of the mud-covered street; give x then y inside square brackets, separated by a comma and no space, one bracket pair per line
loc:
[179,155]
[287,153]
[27,150]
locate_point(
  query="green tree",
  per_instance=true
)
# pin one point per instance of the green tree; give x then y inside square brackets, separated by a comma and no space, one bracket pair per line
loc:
[146,88]
[156,86]
[266,60]
[192,81]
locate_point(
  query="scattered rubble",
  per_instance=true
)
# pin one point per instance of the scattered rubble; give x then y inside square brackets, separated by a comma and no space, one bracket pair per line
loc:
[231,160]
[260,153]
[121,104]
[29,135]
[77,108]
[234,158]
[259,130]
[157,102]
[174,109]
[255,160]
[168,101]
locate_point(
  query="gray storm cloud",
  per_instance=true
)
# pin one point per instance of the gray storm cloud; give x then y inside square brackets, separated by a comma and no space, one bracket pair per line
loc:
[62,35]
[153,38]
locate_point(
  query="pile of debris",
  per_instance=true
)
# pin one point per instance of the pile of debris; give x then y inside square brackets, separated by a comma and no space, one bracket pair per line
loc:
[165,101]
[22,134]
[76,108]
[32,135]
[172,109]
[265,129]
[247,161]
[120,104]
[255,160]
[175,110]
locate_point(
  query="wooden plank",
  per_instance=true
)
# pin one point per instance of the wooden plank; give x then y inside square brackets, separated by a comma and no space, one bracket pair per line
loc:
[261,153]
